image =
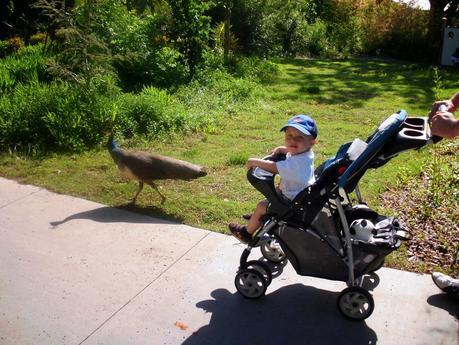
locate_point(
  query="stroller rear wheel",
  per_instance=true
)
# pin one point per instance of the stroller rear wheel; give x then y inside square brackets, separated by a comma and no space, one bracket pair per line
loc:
[250,283]
[272,251]
[355,303]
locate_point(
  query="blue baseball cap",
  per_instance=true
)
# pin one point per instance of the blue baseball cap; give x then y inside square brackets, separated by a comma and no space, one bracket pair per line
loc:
[304,124]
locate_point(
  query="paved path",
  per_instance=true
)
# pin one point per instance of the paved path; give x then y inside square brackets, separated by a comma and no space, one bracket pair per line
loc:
[77,272]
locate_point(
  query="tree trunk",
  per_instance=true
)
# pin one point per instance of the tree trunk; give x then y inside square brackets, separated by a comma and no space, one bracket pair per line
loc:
[227,37]
[435,34]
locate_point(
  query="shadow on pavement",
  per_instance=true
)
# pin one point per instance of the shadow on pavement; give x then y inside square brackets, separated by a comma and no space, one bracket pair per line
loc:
[127,213]
[446,302]
[295,314]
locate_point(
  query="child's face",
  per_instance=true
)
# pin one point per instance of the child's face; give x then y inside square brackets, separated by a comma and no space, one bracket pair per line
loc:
[296,142]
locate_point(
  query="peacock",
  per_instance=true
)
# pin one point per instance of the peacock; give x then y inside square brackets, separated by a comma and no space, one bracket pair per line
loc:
[146,168]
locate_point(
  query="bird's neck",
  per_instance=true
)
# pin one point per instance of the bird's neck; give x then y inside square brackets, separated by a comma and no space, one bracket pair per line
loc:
[111,144]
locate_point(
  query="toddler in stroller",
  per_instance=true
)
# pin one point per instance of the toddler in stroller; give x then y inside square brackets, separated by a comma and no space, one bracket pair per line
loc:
[321,232]
[296,170]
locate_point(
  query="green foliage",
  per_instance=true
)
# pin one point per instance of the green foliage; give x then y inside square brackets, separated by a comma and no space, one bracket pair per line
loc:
[38,37]
[54,116]
[394,29]
[151,113]
[10,46]
[162,68]
[237,159]
[190,29]
[25,66]
[256,69]
[212,95]
[313,40]
[79,55]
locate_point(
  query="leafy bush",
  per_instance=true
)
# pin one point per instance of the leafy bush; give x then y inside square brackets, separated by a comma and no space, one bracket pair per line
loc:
[56,115]
[38,37]
[256,69]
[313,40]
[393,29]
[162,68]
[25,66]
[152,112]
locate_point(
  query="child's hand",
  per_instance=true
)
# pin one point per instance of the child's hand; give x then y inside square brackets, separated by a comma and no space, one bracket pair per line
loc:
[251,163]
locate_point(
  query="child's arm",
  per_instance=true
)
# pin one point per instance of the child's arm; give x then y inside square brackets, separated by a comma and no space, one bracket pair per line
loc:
[260,163]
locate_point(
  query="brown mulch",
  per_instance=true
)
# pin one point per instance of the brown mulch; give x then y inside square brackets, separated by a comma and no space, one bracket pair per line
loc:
[430,210]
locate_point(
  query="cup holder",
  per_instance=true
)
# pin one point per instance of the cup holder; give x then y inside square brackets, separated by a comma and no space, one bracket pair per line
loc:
[415,123]
[413,133]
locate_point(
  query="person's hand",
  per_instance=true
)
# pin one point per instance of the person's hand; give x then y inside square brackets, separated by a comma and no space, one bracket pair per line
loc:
[449,107]
[443,124]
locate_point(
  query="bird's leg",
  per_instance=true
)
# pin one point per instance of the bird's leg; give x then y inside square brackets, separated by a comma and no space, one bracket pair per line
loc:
[155,187]
[138,192]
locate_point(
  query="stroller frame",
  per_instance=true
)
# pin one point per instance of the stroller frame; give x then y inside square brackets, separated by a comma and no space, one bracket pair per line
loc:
[292,226]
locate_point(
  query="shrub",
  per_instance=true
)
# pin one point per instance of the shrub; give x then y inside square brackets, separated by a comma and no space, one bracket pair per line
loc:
[56,116]
[162,68]
[10,46]
[313,40]
[151,113]
[393,29]
[25,66]
[256,69]
[39,37]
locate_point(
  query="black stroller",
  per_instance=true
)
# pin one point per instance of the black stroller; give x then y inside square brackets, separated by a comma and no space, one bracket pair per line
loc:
[320,232]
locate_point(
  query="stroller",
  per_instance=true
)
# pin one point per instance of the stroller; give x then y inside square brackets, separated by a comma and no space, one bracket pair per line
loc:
[321,232]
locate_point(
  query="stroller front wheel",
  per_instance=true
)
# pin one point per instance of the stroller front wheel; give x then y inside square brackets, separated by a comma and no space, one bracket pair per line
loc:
[262,268]
[355,303]
[250,283]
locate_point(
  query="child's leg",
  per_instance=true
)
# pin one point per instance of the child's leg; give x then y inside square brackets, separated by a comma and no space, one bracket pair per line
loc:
[254,222]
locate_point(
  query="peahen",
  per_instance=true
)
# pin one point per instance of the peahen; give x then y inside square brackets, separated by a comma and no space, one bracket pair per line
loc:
[146,168]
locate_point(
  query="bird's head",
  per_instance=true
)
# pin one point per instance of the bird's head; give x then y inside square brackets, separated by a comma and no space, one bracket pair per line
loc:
[111,144]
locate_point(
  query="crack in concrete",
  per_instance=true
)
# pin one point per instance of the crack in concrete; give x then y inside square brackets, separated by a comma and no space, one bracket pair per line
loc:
[144,288]
[19,199]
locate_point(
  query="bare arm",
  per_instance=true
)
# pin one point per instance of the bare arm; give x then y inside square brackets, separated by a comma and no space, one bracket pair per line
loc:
[451,105]
[455,101]
[260,163]
[444,125]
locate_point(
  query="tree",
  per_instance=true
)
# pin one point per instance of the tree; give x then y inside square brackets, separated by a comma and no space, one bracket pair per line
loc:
[439,9]
[190,29]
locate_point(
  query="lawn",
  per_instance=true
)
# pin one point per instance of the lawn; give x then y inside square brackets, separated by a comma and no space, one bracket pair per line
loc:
[347,98]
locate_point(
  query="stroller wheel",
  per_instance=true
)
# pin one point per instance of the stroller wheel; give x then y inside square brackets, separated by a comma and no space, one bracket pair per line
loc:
[262,268]
[250,283]
[272,251]
[355,303]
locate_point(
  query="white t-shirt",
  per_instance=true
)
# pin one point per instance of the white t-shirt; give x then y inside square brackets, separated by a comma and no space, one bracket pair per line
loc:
[296,173]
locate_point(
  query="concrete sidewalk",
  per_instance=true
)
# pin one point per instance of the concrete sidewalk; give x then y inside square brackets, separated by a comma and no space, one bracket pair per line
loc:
[76,272]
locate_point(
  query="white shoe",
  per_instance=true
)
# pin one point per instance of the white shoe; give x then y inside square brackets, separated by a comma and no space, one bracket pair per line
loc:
[446,283]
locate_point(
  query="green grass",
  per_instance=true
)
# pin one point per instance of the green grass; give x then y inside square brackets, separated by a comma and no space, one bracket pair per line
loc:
[347,98]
